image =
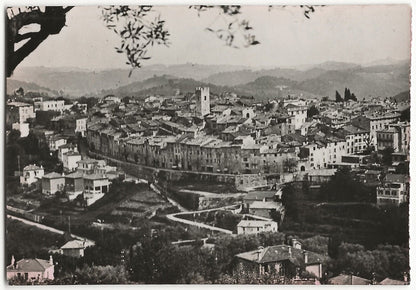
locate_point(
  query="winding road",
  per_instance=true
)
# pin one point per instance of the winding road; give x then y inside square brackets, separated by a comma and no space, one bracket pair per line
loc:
[50,229]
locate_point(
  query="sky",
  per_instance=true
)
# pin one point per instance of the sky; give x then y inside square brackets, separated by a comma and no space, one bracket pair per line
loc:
[358,34]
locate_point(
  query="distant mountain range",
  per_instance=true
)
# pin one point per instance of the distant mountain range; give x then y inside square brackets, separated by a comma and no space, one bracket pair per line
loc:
[381,79]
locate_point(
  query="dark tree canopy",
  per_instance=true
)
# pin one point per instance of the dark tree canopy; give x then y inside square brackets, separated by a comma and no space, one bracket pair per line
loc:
[338,97]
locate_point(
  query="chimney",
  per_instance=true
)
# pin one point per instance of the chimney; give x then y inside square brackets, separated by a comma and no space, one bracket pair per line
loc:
[259,252]
[50,260]
[405,277]
[290,251]
[13,261]
[305,256]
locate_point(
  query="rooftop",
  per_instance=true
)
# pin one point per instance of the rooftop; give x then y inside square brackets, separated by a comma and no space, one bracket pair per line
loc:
[30,265]
[348,280]
[281,253]
[255,224]
[31,167]
[53,175]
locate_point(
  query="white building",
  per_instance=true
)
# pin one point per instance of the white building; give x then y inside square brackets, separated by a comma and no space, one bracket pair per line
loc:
[256,226]
[31,174]
[70,160]
[357,139]
[374,123]
[299,113]
[69,147]
[394,190]
[18,112]
[50,105]
[81,126]
[55,141]
[23,128]
[96,183]
[321,155]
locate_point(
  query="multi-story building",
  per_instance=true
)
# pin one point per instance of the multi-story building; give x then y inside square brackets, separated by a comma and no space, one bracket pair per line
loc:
[300,114]
[69,125]
[320,155]
[18,112]
[52,183]
[70,161]
[56,141]
[50,105]
[74,184]
[393,190]
[69,147]
[388,138]
[357,138]
[374,123]
[403,142]
[96,184]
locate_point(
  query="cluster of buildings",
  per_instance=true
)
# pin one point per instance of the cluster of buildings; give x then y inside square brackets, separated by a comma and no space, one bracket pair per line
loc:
[210,134]
[80,175]
[90,177]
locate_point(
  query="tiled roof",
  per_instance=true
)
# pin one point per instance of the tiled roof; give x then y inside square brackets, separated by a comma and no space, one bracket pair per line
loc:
[348,280]
[75,174]
[399,178]
[281,253]
[260,195]
[94,176]
[52,175]
[254,224]
[30,265]
[74,244]
[31,167]
[389,281]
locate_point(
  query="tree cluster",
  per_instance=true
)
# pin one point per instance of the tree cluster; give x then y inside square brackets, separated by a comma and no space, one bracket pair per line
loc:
[344,187]
[384,261]
[347,96]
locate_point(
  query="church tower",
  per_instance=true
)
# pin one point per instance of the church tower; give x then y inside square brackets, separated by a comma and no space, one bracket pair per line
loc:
[203,102]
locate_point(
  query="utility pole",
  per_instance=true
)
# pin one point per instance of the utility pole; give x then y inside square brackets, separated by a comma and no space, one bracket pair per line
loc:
[18,163]
[69,224]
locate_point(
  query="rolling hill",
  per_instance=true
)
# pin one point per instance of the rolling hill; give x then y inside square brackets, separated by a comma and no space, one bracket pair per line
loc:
[319,80]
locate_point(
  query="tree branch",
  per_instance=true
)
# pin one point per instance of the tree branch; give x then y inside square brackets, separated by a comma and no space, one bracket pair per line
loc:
[51,22]
[20,37]
[18,56]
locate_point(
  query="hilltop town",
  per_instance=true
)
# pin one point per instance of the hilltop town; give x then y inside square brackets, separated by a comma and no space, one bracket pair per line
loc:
[197,187]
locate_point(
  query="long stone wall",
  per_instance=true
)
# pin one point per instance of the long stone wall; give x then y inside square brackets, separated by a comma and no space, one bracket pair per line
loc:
[241,181]
[147,172]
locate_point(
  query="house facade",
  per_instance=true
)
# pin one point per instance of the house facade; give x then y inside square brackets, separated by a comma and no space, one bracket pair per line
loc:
[245,227]
[285,260]
[393,190]
[52,183]
[70,161]
[31,270]
[31,174]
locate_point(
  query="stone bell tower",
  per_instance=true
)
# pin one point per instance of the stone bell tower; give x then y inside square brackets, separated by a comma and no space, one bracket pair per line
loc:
[203,105]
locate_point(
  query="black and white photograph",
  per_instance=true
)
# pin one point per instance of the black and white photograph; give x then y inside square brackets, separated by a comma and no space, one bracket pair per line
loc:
[207,144]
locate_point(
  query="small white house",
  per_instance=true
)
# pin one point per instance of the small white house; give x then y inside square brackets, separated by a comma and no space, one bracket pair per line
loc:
[31,174]
[256,226]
